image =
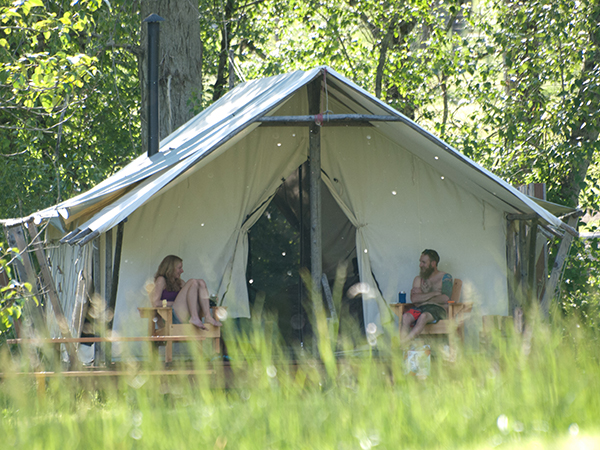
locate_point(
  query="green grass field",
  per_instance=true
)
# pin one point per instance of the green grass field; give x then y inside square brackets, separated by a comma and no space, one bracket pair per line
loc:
[538,390]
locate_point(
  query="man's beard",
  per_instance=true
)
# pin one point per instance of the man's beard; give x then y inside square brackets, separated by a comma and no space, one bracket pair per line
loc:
[426,273]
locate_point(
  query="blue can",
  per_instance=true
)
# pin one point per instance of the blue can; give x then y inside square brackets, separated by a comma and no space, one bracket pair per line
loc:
[402,297]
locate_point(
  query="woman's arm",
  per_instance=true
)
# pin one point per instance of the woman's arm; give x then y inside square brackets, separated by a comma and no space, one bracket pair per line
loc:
[159,286]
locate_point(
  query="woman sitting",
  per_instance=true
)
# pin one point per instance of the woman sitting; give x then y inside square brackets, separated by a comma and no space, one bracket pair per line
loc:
[186,298]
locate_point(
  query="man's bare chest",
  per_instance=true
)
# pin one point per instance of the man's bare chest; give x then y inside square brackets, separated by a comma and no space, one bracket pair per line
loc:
[430,285]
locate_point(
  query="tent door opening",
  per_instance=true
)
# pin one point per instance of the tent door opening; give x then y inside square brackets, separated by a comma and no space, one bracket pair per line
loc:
[279,246]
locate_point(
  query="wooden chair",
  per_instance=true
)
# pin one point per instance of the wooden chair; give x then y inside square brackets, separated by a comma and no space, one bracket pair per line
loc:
[160,323]
[456,314]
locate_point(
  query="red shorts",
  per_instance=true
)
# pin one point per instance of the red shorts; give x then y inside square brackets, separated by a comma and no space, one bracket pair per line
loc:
[414,312]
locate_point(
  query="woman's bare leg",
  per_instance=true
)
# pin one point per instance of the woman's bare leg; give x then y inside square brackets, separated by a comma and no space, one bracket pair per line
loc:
[193,299]
[204,299]
[186,304]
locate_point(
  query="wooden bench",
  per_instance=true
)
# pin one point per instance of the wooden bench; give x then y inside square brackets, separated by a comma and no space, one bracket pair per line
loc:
[456,313]
[160,324]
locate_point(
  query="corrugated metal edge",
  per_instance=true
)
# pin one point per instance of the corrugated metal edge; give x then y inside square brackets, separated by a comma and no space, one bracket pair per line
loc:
[305,77]
[100,222]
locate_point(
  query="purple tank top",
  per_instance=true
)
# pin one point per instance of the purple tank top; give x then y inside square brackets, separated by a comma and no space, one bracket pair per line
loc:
[169,295]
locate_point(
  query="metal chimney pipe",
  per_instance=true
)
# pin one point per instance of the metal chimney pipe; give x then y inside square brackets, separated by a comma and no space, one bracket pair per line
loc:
[153,41]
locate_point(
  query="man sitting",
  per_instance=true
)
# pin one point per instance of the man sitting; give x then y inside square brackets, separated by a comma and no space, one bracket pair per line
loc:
[430,294]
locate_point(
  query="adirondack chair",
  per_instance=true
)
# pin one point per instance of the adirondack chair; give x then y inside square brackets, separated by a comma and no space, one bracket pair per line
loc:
[456,314]
[160,323]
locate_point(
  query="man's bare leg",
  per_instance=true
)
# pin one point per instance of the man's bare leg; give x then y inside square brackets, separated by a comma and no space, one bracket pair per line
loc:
[423,320]
[405,323]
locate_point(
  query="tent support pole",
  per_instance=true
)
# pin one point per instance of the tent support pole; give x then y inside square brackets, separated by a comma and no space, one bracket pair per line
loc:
[314,106]
[531,270]
[99,322]
[116,267]
[303,253]
[511,259]
[114,285]
[108,261]
[523,266]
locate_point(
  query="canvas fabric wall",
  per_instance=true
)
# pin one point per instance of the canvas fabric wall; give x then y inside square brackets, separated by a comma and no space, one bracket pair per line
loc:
[71,268]
[401,205]
[204,219]
[398,203]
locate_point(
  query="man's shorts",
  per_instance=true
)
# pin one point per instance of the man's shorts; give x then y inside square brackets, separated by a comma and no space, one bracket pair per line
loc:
[438,312]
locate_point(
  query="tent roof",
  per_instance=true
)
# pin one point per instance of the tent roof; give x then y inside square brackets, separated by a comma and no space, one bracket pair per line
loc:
[235,115]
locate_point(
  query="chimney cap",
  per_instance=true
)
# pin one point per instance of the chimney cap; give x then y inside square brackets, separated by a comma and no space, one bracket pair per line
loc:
[153,18]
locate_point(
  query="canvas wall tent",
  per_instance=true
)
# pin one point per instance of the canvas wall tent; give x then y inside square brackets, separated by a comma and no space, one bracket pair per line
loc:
[401,188]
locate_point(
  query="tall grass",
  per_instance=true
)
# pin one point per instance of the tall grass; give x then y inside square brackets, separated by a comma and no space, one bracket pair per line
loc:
[537,390]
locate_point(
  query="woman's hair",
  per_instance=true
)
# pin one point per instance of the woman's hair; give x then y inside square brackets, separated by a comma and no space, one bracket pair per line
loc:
[166,269]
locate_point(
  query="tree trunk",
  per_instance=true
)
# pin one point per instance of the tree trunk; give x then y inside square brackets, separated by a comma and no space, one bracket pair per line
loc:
[384,45]
[227,33]
[586,124]
[180,56]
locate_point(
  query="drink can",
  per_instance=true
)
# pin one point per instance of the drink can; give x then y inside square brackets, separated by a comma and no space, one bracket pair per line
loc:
[402,297]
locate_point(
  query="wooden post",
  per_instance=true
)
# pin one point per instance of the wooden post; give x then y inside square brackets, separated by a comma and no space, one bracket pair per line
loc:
[99,322]
[511,262]
[52,292]
[523,266]
[108,261]
[531,272]
[78,316]
[557,267]
[26,272]
[116,268]
[96,266]
[314,107]
[537,269]
[112,299]
[316,261]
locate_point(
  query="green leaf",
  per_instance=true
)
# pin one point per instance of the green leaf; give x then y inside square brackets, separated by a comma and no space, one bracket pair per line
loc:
[47,102]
